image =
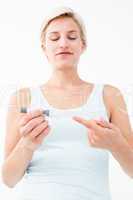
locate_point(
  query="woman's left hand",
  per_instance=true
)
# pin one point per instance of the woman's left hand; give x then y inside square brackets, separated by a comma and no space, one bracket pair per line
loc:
[102,134]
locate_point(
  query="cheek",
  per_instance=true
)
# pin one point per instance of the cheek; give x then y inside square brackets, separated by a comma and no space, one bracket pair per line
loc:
[50,50]
[77,52]
[78,48]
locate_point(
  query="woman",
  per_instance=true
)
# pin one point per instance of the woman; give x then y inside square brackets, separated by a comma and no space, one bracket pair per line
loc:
[65,155]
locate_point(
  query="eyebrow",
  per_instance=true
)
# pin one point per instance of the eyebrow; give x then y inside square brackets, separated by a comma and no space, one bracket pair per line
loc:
[71,31]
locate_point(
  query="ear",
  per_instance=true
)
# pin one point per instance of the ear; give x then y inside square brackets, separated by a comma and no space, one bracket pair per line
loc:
[43,47]
[44,50]
[83,48]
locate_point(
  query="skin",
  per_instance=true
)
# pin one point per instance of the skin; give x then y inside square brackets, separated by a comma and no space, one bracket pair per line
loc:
[114,135]
[26,131]
[59,38]
[65,67]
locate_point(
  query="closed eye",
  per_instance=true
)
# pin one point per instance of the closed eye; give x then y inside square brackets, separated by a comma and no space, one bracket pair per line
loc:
[69,37]
[54,39]
[72,38]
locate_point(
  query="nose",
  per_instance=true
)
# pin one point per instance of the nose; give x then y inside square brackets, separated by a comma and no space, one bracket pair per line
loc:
[63,42]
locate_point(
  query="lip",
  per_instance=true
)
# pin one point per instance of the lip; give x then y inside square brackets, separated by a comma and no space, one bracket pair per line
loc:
[64,53]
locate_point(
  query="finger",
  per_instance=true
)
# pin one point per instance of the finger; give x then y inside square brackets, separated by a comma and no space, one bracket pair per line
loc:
[28,116]
[82,121]
[107,124]
[91,138]
[102,123]
[31,124]
[88,123]
[40,137]
[39,129]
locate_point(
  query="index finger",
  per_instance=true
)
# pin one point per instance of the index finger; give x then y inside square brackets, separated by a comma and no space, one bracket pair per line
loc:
[88,123]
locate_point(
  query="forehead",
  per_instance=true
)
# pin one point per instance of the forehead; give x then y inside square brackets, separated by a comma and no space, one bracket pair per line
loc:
[62,24]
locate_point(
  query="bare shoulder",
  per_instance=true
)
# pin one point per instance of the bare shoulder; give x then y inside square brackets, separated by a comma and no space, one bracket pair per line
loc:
[111,90]
[117,106]
[114,97]
[17,100]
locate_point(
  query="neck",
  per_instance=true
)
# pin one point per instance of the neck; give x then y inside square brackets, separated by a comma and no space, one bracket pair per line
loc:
[65,79]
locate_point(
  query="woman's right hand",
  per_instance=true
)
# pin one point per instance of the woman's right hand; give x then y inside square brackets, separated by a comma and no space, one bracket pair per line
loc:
[33,128]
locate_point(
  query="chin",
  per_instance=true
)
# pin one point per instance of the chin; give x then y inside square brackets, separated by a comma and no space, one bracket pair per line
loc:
[64,65]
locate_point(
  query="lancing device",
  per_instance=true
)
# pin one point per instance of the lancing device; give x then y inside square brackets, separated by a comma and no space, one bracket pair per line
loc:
[49,113]
[24,110]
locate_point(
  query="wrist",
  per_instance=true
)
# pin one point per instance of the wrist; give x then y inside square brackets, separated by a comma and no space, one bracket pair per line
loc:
[120,147]
[26,145]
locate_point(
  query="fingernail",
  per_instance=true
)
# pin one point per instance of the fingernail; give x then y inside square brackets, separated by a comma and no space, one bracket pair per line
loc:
[102,119]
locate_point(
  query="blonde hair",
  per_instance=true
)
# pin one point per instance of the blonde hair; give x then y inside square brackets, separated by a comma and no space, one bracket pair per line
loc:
[64,12]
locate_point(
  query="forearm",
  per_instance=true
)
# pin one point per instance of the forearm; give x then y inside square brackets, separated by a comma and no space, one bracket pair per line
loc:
[16,163]
[123,153]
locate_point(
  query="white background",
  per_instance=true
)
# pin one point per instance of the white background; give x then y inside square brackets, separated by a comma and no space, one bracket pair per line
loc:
[108,59]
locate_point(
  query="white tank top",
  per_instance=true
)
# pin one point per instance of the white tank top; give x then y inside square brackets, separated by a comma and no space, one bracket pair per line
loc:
[65,166]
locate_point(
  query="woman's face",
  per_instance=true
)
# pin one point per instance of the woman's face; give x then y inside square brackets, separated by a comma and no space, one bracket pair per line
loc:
[63,44]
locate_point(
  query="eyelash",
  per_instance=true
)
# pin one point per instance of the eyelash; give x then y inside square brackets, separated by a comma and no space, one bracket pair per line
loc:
[71,38]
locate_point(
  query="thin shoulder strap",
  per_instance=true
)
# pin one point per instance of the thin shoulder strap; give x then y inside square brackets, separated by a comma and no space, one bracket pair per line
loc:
[100,99]
[99,93]
[98,96]
[35,99]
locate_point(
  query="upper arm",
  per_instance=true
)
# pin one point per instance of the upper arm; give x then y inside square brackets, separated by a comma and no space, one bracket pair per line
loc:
[118,111]
[17,100]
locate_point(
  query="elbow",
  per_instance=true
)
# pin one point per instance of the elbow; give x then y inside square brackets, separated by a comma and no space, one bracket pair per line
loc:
[6,180]
[7,183]
[130,176]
